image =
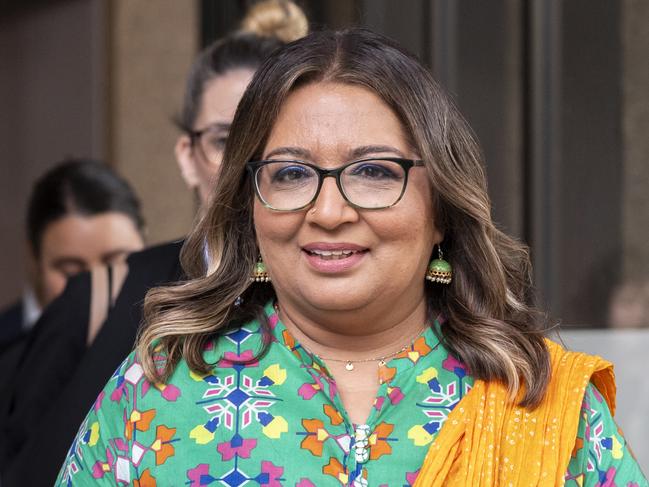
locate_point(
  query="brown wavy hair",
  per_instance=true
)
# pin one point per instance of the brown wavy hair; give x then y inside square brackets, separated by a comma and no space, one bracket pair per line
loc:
[490,325]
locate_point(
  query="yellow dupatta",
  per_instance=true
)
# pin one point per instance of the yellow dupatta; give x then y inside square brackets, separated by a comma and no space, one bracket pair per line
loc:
[489,441]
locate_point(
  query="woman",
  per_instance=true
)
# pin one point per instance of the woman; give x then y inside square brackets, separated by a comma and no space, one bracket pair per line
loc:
[67,365]
[80,214]
[216,82]
[356,355]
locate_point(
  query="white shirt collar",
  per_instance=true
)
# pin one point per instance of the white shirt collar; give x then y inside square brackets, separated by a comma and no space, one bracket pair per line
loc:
[31,309]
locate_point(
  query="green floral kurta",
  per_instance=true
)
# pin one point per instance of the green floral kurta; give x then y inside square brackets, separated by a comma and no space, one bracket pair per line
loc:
[280,422]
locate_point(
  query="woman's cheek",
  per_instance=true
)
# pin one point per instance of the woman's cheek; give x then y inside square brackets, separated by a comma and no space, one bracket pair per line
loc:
[53,285]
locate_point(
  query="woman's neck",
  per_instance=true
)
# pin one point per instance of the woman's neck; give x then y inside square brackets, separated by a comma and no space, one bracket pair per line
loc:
[355,335]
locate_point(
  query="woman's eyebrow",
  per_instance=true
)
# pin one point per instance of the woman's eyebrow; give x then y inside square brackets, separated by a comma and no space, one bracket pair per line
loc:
[224,126]
[356,153]
[367,150]
[298,152]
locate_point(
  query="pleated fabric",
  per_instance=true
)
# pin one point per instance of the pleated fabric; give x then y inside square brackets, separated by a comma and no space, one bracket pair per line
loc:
[488,440]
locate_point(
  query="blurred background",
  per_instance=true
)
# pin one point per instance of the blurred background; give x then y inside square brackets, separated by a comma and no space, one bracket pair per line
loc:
[557,92]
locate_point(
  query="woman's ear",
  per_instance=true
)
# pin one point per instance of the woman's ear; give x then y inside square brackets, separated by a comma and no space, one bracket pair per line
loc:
[185,160]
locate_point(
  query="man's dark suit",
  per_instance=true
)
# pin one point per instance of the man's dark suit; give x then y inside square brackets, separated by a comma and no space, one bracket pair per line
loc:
[11,323]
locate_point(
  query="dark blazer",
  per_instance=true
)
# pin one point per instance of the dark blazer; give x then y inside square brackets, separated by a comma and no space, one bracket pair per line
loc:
[58,383]
[11,323]
[12,344]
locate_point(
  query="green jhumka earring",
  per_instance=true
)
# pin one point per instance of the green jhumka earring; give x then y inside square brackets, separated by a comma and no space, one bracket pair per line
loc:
[260,273]
[439,270]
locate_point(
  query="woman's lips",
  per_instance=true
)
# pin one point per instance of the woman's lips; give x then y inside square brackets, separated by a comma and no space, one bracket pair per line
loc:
[333,258]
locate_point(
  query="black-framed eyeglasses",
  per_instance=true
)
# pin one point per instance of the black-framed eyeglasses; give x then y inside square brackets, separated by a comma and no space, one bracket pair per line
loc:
[210,141]
[372,184]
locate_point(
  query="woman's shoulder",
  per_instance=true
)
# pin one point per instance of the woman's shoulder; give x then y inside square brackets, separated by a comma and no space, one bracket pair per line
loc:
[129,387]
[571,369]
[235,342]
[600,448]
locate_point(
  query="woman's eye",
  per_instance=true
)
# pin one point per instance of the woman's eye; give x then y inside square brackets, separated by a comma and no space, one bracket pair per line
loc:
[374,171]
[218,142]
[292,173]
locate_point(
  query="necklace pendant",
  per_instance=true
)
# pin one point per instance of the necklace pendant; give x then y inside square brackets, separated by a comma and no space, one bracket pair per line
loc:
[381,363]
[349,366]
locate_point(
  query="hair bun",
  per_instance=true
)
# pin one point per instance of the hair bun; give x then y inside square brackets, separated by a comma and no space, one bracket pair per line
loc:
[282,19]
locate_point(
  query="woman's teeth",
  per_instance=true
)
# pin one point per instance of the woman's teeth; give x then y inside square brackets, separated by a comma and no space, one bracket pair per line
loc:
[332,254]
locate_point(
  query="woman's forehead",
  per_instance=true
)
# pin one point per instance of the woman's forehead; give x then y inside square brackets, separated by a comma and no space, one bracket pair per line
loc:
[220,97]
[335,118]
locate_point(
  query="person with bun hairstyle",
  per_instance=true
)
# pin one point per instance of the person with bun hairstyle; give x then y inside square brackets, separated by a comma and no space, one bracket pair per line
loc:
[280,19]
[352,316]
[77,355]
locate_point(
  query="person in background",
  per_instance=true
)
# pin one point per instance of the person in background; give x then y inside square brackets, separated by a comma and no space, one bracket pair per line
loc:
[76,357]
[352,316]
[216,82]
[80,214]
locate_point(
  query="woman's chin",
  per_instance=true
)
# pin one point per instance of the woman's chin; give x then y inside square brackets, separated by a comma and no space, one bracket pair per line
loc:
[336,299]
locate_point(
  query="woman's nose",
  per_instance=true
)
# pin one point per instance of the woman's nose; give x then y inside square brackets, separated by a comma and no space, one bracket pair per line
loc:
[330,209]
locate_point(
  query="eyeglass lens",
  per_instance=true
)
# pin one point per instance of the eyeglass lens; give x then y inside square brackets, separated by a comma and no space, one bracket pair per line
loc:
[212,143]
[366,184]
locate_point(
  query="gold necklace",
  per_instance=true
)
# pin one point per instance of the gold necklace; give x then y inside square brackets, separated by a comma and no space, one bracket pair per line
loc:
[349,364]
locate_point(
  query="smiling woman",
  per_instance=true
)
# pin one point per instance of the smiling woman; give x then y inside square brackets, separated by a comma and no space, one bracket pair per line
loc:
[382,253]
[322,338]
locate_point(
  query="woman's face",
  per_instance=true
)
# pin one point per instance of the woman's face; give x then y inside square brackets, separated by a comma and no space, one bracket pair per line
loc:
[330,124]
[76,243]
[221,95]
